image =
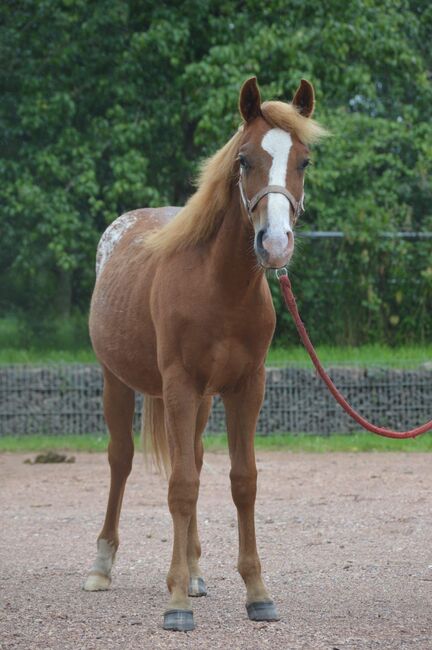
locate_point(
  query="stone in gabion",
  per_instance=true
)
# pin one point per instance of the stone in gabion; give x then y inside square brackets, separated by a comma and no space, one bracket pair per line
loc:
[62,399]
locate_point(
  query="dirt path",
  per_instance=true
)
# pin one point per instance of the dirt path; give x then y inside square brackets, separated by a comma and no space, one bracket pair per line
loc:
[345,543]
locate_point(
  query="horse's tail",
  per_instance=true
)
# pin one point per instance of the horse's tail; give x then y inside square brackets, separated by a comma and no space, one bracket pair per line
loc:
[154,435]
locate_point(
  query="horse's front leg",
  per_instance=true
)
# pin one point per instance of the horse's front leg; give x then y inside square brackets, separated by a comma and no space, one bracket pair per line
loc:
[242,408]
[181,407]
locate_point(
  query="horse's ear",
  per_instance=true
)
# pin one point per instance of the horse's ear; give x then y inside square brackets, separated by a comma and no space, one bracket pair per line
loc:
[304,98]
[250,100]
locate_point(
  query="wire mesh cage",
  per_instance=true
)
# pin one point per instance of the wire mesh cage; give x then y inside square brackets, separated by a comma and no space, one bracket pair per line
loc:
[67,398]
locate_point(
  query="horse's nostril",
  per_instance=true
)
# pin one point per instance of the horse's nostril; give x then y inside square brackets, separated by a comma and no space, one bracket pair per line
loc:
[259,238]
[290,238]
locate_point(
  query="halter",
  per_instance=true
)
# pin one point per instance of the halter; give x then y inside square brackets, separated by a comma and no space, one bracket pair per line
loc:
[251,204]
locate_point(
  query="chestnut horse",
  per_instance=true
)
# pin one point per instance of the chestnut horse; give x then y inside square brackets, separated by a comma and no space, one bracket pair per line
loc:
[182,311]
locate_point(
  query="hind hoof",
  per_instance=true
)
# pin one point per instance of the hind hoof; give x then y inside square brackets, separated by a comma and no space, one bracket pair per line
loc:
[97,582]
[197,587]
[179,620]
[263,611]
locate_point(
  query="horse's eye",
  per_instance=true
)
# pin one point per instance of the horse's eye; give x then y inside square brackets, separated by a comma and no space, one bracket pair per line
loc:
[243,162]
[305,163]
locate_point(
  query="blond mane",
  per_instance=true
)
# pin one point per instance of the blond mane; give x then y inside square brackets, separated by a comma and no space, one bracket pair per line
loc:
[285,116]
[200,218]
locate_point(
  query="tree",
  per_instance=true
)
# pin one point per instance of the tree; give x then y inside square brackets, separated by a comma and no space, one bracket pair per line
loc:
[107,106]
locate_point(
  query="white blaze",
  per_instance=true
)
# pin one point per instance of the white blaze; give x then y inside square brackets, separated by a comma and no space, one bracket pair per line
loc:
[278,144]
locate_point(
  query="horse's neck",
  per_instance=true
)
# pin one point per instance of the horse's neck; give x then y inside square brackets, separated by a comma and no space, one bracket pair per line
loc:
[232,253]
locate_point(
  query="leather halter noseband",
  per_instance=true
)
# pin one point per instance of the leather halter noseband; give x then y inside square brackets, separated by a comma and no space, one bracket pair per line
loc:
[251,204]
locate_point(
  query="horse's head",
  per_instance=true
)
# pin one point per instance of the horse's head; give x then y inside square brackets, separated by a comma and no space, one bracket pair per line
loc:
[272,162]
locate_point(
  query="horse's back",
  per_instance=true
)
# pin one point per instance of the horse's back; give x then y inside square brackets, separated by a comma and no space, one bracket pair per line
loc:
[137,223]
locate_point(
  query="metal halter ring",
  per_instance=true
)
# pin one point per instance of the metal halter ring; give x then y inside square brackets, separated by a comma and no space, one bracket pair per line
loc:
[281,272]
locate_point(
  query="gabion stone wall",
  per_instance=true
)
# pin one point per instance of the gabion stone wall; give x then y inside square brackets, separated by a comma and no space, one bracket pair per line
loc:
[297,400]
[61,399]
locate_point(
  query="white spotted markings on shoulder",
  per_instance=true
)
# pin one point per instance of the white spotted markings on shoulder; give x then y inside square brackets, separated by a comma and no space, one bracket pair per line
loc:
[111,238]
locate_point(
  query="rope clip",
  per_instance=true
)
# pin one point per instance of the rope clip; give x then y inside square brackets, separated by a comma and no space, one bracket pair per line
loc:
[281,272]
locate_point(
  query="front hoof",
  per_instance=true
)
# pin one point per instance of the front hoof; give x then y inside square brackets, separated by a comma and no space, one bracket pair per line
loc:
[97,582]
[197,587]
[179,620]
[263,611]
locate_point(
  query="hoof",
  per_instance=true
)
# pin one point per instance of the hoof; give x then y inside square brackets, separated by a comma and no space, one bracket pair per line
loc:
[97,582]
[179,620]
[197,587]
[263,611]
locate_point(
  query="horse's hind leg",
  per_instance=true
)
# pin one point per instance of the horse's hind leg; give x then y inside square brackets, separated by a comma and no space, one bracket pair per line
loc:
[197,585]
[119,405]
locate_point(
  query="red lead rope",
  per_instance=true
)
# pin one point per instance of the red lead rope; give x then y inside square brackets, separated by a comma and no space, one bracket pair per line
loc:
[388,433]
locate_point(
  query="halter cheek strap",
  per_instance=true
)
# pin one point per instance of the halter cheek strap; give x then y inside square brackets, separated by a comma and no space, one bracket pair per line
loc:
[251,204]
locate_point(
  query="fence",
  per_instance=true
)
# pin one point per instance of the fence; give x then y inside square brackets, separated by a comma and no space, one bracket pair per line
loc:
[60,399]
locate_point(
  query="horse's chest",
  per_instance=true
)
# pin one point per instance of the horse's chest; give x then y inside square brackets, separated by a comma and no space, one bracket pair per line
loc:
[230,356]
[223,364]
[216,340]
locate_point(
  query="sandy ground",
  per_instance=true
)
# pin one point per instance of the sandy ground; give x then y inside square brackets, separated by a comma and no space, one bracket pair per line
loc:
[345,543]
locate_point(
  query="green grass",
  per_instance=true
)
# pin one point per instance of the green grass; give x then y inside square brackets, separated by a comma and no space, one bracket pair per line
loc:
[359,442]
[402,357]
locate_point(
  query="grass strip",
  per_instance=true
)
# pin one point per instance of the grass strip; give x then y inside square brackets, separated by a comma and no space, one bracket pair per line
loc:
[366,355]
[358,442]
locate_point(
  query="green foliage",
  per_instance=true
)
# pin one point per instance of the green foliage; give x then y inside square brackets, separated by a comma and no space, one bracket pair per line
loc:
[366,287]
[24,340]
[36,355]
[108,106]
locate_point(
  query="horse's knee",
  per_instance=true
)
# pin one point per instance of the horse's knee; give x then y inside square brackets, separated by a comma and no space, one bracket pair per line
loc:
[183,494]
[243,487]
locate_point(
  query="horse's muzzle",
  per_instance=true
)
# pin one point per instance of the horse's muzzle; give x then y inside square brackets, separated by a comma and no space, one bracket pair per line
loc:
[274,250]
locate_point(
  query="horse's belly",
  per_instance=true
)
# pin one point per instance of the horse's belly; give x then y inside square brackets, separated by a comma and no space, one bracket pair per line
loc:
[121,327]
[125,345]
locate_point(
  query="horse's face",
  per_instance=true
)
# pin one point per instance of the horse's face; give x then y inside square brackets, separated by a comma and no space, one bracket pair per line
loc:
[271,157]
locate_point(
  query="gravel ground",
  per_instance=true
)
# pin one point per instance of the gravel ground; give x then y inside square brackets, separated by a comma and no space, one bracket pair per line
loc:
[345,543]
